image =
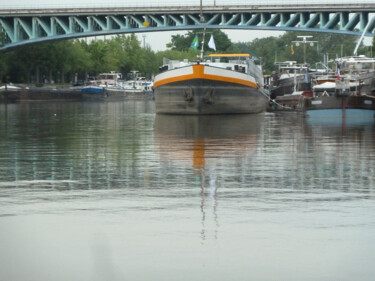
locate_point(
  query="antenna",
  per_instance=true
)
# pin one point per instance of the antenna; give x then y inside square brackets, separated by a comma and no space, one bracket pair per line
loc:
[304,42]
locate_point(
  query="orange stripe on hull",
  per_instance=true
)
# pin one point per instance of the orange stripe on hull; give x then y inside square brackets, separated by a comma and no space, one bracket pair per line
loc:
[198,73]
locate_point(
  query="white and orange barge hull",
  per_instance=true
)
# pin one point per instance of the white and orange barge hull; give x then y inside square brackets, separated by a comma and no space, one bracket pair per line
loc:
[205,89]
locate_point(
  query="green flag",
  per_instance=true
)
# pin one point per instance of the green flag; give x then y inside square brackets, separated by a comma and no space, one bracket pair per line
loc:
[195,43]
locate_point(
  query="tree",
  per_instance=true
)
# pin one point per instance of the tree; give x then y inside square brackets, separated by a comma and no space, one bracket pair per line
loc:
[97,50]
[61,60]
[3,68]
[278,49]
[182,42]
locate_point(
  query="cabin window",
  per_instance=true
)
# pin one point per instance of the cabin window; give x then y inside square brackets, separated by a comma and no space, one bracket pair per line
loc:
[239,68]
[163,68]
[366,65]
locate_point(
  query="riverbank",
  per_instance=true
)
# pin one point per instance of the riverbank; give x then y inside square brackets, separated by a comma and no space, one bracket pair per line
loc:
[19,93]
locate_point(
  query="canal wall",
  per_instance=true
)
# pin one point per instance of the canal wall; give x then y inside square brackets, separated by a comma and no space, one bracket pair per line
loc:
[58,94]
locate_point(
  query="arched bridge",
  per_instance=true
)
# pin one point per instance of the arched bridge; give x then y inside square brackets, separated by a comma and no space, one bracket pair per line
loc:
[25,26]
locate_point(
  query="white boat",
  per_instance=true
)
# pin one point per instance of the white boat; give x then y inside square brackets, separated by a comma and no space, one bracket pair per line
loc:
[95,90]
[136,83]
[139,85]
[9,88]
[210,86]
[10,93]
[109,79]
[111,87]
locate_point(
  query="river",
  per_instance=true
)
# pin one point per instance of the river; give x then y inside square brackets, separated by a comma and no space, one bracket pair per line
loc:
[111,191]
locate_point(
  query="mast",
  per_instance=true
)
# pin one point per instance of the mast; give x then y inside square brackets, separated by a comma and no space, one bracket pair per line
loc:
[201,18]
[201,12]
[202,50]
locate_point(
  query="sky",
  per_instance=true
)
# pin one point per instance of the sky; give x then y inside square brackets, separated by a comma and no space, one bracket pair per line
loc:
[158,40]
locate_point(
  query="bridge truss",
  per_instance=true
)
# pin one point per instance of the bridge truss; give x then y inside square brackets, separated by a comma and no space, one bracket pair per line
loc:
[20,27]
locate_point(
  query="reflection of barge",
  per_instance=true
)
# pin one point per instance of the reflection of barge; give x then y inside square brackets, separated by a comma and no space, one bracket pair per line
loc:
[211,87]
[202,139]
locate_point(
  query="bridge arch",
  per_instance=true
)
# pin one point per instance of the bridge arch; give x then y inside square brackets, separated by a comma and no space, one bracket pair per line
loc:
[21,27]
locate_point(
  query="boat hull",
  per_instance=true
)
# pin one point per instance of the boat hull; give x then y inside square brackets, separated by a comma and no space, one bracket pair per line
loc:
[293,102]
[123,94]
[102,94]
[352,109]
[208,94]
[289,85]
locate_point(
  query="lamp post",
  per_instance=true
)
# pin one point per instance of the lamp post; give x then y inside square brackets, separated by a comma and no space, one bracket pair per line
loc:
[304,41]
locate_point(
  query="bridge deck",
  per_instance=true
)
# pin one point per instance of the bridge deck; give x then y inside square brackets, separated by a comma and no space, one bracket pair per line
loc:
[356,7]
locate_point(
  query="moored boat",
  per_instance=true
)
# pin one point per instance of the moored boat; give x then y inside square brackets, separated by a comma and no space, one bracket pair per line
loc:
[334,109]
[290,102]
[210,87]
[290,77]
[92,92]
[136,83]
[11,93]
[96,89]
[360,70]
[344,96]
[109,79]
[343,101]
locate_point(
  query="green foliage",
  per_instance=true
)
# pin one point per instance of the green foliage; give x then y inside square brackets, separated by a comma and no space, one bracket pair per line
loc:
[60,61]
[182,42]
[2,38]
[277,49]
[177,55]
[97,50]
[55,61]
[3,66]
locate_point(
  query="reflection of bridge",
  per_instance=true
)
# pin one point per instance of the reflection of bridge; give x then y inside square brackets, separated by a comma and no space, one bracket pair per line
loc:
[24,26]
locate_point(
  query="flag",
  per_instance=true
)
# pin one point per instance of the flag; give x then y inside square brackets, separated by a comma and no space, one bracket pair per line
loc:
[292,49]
[338,74]
[195,43]
[211,43]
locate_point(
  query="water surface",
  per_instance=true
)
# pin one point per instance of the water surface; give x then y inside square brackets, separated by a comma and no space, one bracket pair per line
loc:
[111,191]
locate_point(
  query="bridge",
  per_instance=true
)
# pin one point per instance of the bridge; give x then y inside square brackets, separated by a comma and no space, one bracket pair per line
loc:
[20,27]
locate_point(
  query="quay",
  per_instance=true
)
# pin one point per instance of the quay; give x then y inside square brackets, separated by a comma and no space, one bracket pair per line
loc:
[10,94]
